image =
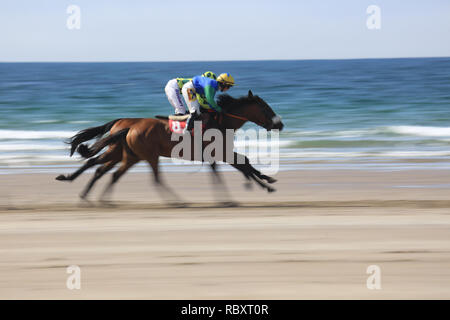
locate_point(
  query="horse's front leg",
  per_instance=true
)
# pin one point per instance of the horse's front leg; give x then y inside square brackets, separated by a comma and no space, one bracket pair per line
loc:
[241,163]
[221,193]
[243,159]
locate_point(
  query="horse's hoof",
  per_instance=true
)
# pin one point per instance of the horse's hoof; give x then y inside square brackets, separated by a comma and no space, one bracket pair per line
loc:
[84,197]
[107,204]
[85,203]
[61,177]
[248,185]
[229,204]
[271,180]
[270,190]
[177,204]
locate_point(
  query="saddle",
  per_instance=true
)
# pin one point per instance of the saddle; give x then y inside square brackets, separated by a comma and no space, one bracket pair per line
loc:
[178,118]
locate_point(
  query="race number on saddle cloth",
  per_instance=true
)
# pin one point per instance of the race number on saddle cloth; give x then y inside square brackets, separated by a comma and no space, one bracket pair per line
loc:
[177,126]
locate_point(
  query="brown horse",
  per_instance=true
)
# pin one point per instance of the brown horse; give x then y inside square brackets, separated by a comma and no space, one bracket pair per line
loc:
[132,140]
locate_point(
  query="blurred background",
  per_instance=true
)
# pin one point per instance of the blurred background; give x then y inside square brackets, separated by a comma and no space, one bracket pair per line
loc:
[350,108]
[378,113]
[366,114]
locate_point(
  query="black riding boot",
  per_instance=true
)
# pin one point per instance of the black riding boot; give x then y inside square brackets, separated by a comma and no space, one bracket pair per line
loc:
[190,122]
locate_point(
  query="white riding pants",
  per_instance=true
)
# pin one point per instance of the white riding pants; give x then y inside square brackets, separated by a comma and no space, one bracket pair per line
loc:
[174,96]
[190,97]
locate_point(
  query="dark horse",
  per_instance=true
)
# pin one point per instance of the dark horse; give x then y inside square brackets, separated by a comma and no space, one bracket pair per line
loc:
[134,139]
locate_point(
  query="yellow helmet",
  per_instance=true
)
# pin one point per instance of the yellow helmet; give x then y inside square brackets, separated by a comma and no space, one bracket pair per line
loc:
[210,74]
[226,79]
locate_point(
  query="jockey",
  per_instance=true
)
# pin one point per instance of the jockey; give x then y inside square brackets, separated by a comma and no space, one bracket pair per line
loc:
[199,93]
[173,91]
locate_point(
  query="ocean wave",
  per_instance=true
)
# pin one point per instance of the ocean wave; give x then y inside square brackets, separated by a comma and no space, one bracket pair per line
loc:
[332,133]
[33,135]
[403,130]
[421,131]
[32,160]
[31,147]
[46,121]
[362,143]
[6,160]
[80,121]
[365,154]
[263,143]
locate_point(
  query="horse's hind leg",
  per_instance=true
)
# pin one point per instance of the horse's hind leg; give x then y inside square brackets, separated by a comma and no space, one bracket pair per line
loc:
[127,164]
[113,153]
[168,195]
[70,177]
[221,193]
[98,174]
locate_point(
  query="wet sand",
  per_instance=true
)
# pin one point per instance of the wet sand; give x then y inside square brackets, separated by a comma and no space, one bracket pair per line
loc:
[313,238]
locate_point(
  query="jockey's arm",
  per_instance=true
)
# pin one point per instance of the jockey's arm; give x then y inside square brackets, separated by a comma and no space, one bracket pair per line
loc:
[210,92]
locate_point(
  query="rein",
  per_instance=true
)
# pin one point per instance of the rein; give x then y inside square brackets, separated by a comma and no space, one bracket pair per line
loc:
[228,114]
[241,118]
[235,116]
[231,116]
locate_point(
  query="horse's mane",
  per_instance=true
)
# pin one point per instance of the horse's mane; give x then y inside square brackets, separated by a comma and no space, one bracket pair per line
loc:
[227,102]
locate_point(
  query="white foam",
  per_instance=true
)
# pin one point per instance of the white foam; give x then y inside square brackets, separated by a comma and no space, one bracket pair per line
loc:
[36,160]
[25,134]
[45,121]
[363,154]
[420,131]
[262,143]
[416,154]
[30,147]
[81,121]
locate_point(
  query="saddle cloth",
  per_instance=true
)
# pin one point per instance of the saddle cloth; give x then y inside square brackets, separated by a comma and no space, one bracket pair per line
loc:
[178,126]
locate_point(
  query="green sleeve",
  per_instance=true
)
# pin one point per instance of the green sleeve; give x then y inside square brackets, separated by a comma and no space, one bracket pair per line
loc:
[210,92]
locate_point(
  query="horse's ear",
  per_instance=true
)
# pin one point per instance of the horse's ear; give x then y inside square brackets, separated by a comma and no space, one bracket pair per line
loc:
[250,93]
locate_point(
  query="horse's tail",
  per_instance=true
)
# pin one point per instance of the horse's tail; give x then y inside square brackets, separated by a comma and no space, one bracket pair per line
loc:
[88,134]
[87,152]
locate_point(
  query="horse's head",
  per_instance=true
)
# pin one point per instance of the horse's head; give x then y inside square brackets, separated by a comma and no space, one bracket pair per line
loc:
[252,108]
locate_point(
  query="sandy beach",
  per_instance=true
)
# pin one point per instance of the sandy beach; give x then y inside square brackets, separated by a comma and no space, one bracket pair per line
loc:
[313,238]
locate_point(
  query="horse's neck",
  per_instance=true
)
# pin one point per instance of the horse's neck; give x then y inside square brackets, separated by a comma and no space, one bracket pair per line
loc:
[232,123]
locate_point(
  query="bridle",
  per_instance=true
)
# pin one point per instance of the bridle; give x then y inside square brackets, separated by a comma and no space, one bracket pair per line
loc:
[220,117]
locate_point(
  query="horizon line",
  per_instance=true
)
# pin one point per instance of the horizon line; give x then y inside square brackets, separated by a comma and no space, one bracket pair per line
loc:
[244,60]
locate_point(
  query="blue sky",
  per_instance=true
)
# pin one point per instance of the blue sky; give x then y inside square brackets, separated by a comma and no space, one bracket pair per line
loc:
[180,30]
